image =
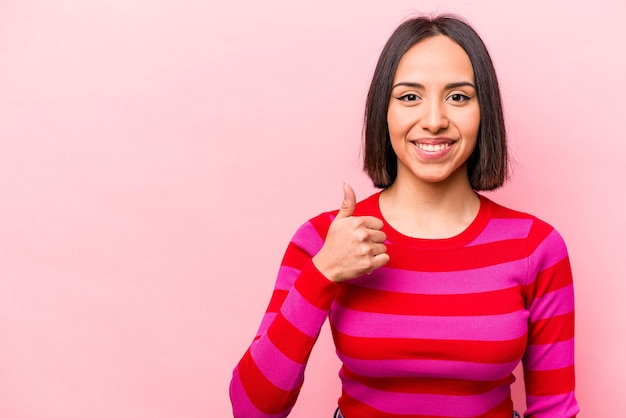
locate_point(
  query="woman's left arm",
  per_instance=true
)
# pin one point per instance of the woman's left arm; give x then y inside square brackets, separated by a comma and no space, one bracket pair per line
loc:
[549,356]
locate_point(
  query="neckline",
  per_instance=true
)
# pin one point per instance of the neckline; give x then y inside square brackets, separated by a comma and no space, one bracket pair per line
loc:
[460,240]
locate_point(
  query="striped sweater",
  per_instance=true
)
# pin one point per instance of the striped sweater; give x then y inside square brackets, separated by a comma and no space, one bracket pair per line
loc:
[437,332]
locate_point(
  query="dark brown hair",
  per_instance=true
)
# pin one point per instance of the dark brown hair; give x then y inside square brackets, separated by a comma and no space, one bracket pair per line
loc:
[488,165]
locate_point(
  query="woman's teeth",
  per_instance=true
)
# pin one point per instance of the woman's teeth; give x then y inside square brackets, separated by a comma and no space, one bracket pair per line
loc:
[433,148]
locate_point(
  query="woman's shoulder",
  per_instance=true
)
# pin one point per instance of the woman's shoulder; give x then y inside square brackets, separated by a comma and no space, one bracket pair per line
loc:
[512,219]
[501,211]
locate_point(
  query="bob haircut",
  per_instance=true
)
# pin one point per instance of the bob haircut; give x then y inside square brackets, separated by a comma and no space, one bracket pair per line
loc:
[487,166]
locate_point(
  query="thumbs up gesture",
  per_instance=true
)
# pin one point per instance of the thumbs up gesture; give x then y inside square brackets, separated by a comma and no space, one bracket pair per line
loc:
[354,244]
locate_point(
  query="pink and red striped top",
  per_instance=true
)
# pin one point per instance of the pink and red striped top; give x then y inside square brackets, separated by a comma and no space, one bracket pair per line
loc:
[437,332]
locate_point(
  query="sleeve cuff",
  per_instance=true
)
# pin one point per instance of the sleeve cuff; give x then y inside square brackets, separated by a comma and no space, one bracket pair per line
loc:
[315,287]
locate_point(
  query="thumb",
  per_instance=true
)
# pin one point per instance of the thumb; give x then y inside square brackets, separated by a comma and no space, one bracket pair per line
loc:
[349,202]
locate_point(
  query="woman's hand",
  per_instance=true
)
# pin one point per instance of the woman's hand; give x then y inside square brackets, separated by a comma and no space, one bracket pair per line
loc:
[354,244]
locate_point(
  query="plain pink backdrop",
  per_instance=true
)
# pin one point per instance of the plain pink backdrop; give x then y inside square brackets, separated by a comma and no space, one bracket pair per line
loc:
[156,157]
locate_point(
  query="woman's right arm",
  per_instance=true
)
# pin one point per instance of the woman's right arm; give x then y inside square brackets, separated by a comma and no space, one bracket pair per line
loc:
[327,250]
[267,380]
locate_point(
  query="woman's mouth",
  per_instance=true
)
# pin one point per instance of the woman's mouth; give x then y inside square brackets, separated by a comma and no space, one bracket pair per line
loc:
[433,148]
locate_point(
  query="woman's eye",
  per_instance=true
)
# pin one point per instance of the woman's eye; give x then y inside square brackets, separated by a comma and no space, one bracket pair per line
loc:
[408,97]
[459,98]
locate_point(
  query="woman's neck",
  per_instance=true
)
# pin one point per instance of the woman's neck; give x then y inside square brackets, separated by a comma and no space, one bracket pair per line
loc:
[429,210]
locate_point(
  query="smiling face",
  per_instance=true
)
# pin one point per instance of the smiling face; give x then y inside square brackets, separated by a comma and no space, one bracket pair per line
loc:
[433,115]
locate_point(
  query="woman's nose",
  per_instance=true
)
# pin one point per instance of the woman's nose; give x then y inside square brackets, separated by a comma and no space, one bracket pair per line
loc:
[434,117]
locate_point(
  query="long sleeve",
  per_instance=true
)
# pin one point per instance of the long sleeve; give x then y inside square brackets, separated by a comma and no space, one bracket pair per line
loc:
[267,380]
[549,357]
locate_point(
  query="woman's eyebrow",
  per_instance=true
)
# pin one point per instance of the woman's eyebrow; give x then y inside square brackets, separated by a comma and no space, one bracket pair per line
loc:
[460,84]
[421,86]
[408,84]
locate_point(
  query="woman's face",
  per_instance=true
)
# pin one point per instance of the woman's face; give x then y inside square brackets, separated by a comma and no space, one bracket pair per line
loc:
[433,114]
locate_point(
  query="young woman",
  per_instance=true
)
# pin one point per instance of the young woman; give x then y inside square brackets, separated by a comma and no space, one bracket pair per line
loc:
[434,293]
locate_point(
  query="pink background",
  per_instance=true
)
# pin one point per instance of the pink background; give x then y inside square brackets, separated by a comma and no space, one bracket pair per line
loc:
[156,157]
